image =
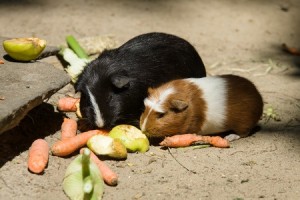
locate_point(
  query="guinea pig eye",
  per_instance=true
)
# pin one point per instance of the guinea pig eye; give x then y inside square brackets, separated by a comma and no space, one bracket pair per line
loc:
[160,115]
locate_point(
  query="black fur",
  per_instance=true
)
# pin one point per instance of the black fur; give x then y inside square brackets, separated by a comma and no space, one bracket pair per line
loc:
[119,78]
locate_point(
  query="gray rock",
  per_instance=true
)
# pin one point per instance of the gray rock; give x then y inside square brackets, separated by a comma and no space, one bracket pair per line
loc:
[25,85]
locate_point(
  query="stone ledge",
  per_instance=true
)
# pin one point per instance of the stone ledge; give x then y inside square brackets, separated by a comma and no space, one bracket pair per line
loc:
[25,85]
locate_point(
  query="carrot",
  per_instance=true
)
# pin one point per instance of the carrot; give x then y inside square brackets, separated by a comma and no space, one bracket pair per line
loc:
[1,61]
[68,104]
[38,156]
[68,128]
[109,176]
[291,50]
[70,145]
[188,139]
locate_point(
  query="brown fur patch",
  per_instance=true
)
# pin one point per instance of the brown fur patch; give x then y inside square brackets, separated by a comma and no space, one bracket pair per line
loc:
[244,105]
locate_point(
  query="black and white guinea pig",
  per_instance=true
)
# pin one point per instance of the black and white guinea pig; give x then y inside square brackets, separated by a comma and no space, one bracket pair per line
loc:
[114,85]
[204,106]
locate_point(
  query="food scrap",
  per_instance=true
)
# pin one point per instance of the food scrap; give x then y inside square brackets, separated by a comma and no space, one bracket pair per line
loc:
[186,140]
[132,137]
[68,104]
[24,49]
[291,50]
[68,128]
[270,113]
[38,156]
[109,176]
[68,146]
[107,146]
[82,179]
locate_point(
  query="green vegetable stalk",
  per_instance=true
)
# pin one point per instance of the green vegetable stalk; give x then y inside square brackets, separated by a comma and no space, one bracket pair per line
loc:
[75,56]
[74,45]
[82,179]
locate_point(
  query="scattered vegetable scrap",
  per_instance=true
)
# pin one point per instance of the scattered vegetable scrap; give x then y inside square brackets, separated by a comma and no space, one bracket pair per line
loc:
[38,156]
[68,128]
[188,139]
[107,146]
[270,113]
[68,104]
[86,174]
[75,56]
[24,49]
[132,137]
[291,50]
[109,176]
[1,61]
[68,146]
[76,64]
[83,179]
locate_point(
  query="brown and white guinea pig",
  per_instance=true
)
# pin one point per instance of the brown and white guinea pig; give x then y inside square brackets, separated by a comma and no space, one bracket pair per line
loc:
[204,106]
[114,85]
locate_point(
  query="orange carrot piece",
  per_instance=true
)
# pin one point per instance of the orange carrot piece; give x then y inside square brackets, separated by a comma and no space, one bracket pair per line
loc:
[68,104]
[291,50]
[188,139]
[38,156]
[70,145]
[109,176]
[215,141]
[68,128]
[184,140]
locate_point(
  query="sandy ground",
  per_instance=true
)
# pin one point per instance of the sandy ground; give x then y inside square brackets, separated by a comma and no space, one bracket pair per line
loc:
[237,37]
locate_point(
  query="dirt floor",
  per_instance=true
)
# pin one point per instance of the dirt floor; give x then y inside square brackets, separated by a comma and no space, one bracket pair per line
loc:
[233,37]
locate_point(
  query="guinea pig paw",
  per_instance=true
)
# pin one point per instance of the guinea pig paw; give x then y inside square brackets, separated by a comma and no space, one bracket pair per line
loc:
[232,137]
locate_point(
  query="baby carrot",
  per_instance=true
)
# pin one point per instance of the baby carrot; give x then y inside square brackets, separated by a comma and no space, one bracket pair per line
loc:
[38,156]
[188,139]
[70,145]
[68,104]
[68,128]
[184,140]
[215,141]
[109,176]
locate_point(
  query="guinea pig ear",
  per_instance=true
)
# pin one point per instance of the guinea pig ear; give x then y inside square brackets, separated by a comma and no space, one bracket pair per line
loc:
[179,105]
[120,82]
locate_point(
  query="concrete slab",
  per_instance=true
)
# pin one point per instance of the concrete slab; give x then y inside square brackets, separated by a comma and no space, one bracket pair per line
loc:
[25,86]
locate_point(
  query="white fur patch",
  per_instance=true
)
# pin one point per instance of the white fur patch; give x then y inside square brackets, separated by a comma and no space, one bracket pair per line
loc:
[215,95]
[98,117]
[155,103]
[143,127]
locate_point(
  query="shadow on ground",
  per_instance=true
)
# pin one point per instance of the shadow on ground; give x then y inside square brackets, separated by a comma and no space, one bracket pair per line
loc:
[40,122]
